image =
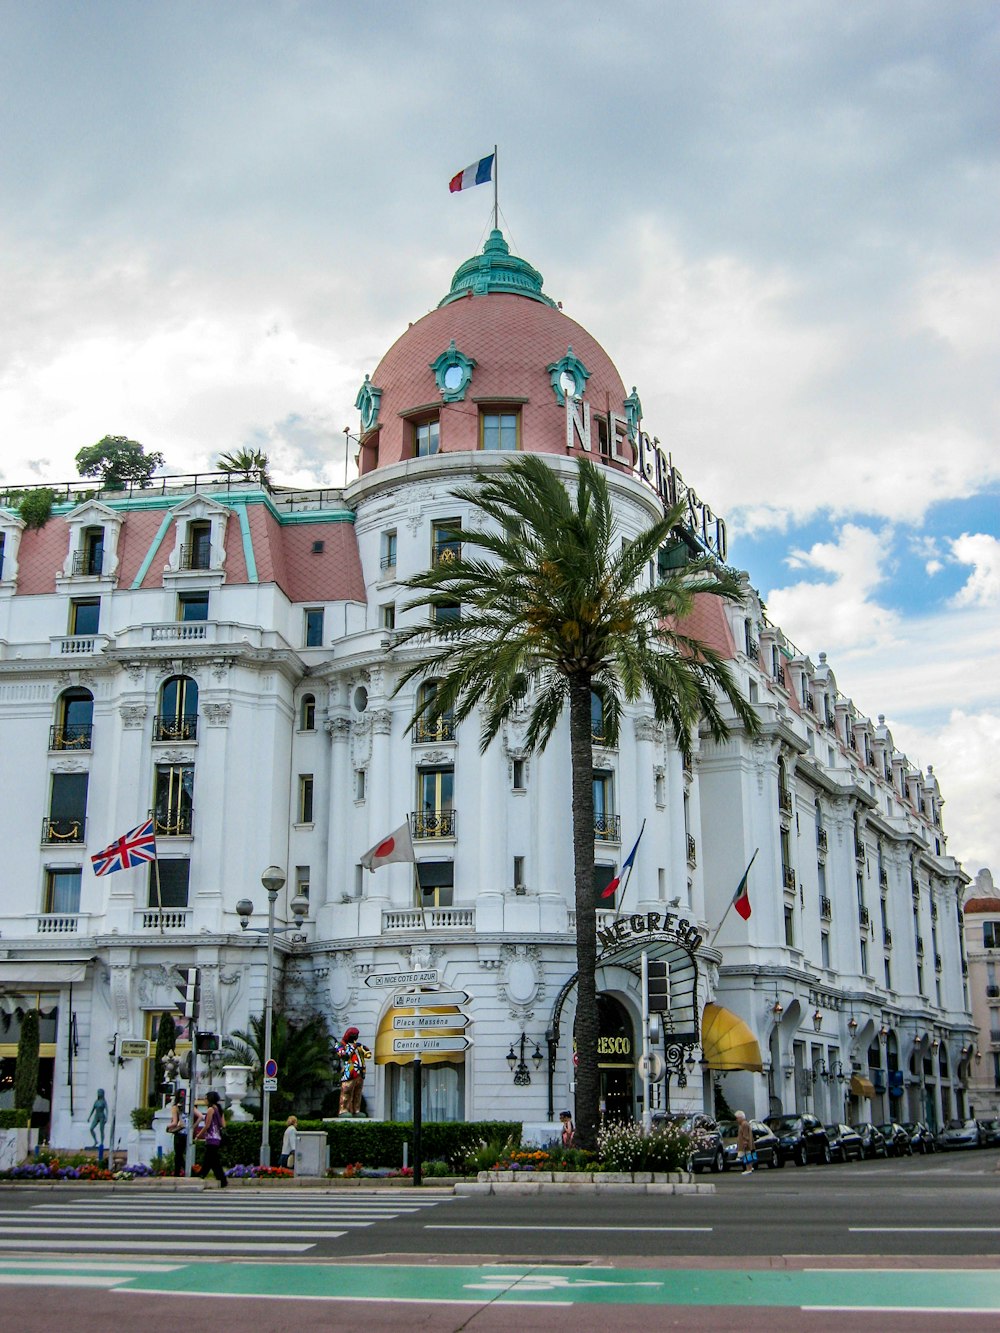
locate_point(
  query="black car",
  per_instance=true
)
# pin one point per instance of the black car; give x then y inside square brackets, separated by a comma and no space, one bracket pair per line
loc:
[989,1133]
[897,1141]
[709,1154]
[845,1143]
[872,1140]
[920,1136]
[764,1142]
[801,1138]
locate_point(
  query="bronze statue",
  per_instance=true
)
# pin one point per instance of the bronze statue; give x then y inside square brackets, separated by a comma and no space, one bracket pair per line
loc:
[98,1118]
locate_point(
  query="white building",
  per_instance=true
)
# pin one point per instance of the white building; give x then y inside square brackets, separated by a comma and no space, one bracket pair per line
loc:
[221,654]
[981,918]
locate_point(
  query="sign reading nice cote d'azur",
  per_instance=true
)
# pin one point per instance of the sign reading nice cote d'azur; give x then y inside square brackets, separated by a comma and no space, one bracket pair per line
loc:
[620,439]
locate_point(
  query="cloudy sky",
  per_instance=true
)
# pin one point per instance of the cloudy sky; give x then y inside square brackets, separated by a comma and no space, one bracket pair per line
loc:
[780,219]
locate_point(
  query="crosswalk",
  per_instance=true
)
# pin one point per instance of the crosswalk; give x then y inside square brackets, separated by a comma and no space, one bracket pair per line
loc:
[230,1223]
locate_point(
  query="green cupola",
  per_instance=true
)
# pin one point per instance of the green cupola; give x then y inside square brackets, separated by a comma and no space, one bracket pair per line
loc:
[496,270]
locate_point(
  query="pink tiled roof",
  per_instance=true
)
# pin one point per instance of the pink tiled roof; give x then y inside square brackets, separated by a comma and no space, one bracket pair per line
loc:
[41,556]
[981,905]
[137,535]
[332,575]
[708,623]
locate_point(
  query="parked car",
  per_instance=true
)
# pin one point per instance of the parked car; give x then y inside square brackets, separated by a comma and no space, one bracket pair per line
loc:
[959,1134]
[765,1144]
[897,1140]
[872,1140]
[921,1136]
[989,1133]
[845,1143]
[709,1155]
[801,1138]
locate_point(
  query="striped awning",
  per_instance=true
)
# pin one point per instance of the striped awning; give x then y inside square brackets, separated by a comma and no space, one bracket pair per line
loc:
[727,1042]
[862,1087]
[385,1055]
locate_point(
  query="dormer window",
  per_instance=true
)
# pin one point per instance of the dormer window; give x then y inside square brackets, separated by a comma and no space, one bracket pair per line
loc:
[426,438]
[199,540]
[89,559]
[196,553]
[94,532]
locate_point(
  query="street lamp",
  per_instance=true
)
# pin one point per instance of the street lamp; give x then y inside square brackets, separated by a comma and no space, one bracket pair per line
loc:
[273,880]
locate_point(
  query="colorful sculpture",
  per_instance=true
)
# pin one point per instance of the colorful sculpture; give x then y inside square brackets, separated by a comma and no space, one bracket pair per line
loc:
[352,1071]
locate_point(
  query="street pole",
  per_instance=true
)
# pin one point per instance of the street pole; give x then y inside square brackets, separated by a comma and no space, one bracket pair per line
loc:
[265,1140]
[418,1116]
[647,1110]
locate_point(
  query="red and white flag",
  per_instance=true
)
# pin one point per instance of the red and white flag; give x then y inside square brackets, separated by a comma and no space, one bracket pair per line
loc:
[741,898]
[396,846]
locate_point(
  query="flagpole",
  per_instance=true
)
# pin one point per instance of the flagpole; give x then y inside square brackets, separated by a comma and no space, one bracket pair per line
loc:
[496,188]
[156,875]
[621,896]
[732,900]
[419,897]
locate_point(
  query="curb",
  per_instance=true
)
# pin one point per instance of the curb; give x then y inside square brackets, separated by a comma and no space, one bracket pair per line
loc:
[580,1187]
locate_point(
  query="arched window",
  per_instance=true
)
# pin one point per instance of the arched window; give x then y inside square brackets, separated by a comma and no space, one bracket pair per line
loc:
[307,713]
[74,721]
[177,719]
[432,729]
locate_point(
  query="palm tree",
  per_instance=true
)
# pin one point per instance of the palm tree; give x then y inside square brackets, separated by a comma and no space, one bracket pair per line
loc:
[303,1054]
[251,462]
[554,606]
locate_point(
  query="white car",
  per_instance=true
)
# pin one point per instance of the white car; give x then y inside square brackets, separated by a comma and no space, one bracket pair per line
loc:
[959,1134]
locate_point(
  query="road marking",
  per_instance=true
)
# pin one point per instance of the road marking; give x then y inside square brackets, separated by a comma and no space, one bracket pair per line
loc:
[504,1226]
[168,1244]
[927,1230]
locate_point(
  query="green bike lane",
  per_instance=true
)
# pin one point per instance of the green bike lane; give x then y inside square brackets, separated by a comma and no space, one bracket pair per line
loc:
[926,1290]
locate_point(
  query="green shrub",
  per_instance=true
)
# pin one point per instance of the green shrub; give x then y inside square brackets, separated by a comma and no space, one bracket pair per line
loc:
[626,1148]
[26,1069]
[36,507]
[142,1117]
[372,1142]
[14,1118]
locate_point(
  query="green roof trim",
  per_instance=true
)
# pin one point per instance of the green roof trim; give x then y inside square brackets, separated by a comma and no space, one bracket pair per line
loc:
[151,553]
[496,270]
[248,555]
[231,502]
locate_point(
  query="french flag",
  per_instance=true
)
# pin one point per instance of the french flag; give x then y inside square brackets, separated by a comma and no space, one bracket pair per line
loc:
[478,174]
[610,891]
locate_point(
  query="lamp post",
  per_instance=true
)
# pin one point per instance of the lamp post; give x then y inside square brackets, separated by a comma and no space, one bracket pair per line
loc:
[273,880]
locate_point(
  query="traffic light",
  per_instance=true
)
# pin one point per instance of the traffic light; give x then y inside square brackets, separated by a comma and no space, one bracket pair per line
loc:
[206,1043]
[658,987]
[185,1067]
[189,990]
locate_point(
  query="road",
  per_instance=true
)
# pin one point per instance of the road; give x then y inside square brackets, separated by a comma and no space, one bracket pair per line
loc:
[916,1242]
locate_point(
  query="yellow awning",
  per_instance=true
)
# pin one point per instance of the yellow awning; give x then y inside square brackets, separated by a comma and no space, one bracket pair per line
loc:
[384,1054]
[861,1087]
[727,1042]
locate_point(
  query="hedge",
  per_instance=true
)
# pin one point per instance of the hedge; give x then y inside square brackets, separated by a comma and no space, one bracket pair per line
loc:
[371,1142]
[13,1118]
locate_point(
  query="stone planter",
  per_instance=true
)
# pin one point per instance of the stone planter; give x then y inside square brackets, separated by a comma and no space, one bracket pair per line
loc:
[142,1146]
[16,1145]
[237,1079]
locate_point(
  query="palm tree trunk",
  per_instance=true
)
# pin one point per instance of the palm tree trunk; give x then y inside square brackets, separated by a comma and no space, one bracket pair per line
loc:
[582,770]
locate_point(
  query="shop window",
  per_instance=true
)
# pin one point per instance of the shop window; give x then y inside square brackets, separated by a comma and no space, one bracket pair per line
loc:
[151,1093]
[84,615]
[177,719]
[174,875]
[305,811]
[173,799]
[426,438]
[307,713]
[436,880]
[314,627]
[442,1096]
[62,892]
[499,430]
[192,606]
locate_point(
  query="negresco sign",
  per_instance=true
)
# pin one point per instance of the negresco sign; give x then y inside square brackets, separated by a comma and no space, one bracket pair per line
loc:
[664,925]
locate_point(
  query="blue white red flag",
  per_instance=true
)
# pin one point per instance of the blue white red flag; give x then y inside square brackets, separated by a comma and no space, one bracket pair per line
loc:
[478,174]
[626,866]
[132,849]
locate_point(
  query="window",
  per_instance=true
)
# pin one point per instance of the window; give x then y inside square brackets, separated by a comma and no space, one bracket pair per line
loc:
[888,973]
[519,872]
[302,880]
[359,784]
[605,820]
[603,875]
[174,877]
[62,892]
[192,606]
[84,615]
[432,729]
[305,813]
[89,559]
[498,430]
[864,957]
[824,945]
[435,816]
[789,927]
[387,615]
[597,733]
[660,789]
[991,934]
[67,808]
[314,627]
[307,713]
[173,799]
[437,883]
[426,438]
[519,781]
[3,540]
[74,726]
[446,540]
[387,559]
[197,552]
[177,719]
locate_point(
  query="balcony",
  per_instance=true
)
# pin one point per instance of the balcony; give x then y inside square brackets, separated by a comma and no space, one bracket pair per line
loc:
[78,645]
[822,841]
[607,828]
[784,800]
[446,551]
[864,918]
[433,823]
[195,555]
[692,852]
[808,701]
[425,732]
[173,823]
[778,674]
[387,563]
[887,937]
[58,923]
[825,909]
[788,877]
[73,736]
[753,650]
[169,727]
[433,918]
[167,918]
[88,564]
[62,832]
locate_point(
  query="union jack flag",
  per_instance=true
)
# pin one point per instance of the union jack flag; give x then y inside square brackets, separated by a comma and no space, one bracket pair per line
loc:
[131,849]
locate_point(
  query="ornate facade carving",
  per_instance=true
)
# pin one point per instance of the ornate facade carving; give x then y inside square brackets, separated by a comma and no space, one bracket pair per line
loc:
[382,721]
[133,716]
[338,728]
[217,713]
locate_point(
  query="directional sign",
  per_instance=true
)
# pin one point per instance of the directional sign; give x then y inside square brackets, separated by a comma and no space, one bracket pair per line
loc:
[415,1000]
[426,978]
[411,1021]
[417,1045]
[133,1049]
[270,1084]
[271,1069]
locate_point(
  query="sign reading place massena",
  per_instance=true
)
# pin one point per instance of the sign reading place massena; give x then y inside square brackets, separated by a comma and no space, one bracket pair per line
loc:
[620,440]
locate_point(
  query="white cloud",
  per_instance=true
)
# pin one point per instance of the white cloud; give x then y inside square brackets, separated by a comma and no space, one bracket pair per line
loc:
[982,588]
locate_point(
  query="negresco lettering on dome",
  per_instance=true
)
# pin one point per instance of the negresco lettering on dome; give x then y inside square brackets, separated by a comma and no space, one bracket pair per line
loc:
[620,440]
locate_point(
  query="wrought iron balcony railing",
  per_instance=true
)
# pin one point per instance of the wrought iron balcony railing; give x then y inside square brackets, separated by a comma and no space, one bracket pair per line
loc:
[72,736]
[785,800]
[788,877]
[864,917]
[883,878]
[692,855]
[826,909]
[433,823]
[441,729]
[195,555]
[387,562]
[887,937]
[606,828]
[753,649]
[920,946]
[170,727]
[173,823]
[55,831]
[938,962]
[822,840]
[88,563]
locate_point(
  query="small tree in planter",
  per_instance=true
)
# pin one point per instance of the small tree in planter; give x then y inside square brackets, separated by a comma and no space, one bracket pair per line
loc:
[142,1117]
[26,1073]
[166,1042]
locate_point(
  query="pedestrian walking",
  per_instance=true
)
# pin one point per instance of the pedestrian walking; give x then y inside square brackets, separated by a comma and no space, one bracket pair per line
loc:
[289,1143]
[211,1127]
[744,1143]
[177,1126]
